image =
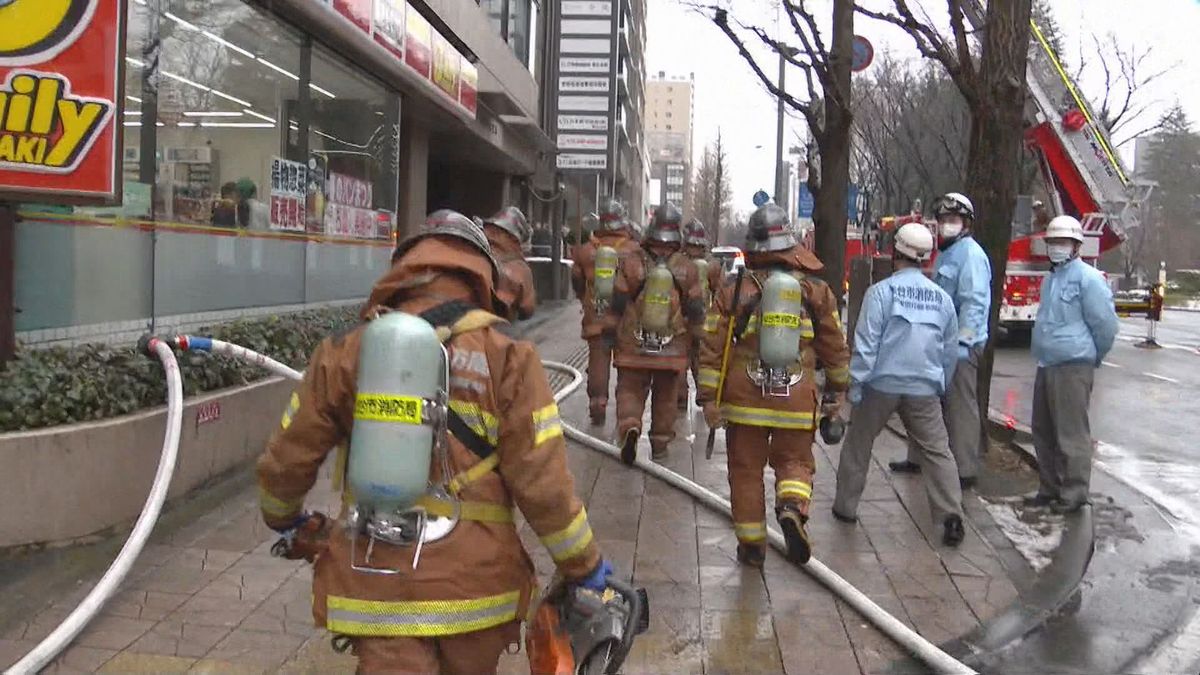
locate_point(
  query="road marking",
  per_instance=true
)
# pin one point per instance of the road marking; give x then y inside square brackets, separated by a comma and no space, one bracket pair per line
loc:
[1110,364]
[1164,378]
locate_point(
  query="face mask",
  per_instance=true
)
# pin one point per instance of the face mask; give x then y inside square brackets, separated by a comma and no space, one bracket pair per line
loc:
[950,230]
[1059,253]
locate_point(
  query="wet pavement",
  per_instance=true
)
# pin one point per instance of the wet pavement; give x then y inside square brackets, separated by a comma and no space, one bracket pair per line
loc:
[1137,607]
[207,597]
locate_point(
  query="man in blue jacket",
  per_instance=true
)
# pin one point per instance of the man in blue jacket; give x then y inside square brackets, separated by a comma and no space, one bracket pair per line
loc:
[905,352]
[1075,328]
[964,272]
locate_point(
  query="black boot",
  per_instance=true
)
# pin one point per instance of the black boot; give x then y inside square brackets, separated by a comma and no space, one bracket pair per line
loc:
[844,519]
[952,531]
[791,521]
[629,447]
[904,466]
[752,555]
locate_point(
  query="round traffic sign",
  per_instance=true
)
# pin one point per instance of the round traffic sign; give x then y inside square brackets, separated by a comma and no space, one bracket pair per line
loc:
[863,53]
[761,198]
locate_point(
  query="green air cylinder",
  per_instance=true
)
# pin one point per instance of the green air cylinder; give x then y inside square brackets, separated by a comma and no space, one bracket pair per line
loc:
[779,329]
[604,275]
[702,270]
[401,365]
[656,300]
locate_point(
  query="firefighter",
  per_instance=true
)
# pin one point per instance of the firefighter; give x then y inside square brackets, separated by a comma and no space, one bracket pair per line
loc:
[657,296]
[456,606]
[905,352]
[712,276]
[1075,328]
[785,326]
[509,235]
[593,277]
[963,271]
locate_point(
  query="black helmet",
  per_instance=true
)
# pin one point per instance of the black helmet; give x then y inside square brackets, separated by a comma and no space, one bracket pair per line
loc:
[667,224]
[769,230]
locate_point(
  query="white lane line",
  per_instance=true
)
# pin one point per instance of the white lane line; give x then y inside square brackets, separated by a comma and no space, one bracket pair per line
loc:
[1164,378]
[1110,364]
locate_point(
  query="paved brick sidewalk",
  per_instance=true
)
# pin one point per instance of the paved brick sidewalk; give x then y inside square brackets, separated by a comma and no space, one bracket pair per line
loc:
[208,597]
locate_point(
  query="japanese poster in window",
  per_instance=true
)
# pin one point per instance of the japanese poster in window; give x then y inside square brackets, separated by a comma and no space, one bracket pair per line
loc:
[289,185]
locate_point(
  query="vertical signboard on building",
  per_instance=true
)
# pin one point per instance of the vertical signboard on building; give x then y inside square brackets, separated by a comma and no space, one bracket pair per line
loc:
[61,94]
[418,43]
[387,21]
[446,65]
[357,11]
[468,87]
[585,85]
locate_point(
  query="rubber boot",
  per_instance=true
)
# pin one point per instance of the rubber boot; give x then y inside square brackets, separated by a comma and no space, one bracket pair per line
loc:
[752,555]
[791,521]
[629,446]
[952,531]
[659,451]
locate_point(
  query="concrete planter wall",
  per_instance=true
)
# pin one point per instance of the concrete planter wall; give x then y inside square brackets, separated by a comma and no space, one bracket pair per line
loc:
[62,484]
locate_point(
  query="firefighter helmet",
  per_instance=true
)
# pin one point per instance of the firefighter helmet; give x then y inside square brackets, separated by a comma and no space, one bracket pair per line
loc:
[954,202]
[613,215]
[666,224]
[512,220]
[769,230]
[694,233]
[914,241]
[448,223]
[1065,227]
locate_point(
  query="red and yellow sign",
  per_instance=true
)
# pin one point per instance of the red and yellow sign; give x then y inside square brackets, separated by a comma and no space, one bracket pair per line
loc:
[418,42]
[61,90]
[446,62]
[468,88]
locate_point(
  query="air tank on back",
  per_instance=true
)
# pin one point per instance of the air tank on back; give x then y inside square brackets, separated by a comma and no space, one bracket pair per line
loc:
[401,366]
[702,270]
[779,330]
[656,300]
[604,274]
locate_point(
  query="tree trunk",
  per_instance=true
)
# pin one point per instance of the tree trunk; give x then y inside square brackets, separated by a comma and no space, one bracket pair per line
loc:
[829,207]
[994,153]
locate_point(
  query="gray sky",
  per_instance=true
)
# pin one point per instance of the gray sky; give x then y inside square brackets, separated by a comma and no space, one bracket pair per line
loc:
[729,97]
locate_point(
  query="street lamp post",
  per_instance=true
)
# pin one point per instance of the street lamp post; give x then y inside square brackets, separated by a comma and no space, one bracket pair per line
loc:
[781,186]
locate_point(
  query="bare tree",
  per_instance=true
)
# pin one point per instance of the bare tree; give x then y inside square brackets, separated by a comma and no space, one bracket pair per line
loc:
[825,108]
[994,88]
[713,191]
[1126,71]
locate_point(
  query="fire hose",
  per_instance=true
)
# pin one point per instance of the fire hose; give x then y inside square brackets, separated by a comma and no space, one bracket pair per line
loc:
[62,636]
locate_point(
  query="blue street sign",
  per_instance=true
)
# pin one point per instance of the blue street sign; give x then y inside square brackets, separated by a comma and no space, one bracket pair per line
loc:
[852,202]
[761,198]
[804,202]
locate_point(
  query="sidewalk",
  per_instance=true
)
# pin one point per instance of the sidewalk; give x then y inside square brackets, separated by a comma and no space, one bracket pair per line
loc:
[207,596]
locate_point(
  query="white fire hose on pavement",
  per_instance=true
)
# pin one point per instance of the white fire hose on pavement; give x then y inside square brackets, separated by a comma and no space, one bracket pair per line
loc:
[44,653]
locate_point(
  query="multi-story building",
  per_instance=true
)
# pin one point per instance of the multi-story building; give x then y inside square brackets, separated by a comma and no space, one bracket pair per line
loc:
[317,131]
[669,136]
[598,81]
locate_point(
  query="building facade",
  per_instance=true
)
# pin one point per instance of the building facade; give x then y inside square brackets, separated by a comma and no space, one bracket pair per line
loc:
[598,85]
[670,103]
[275,150]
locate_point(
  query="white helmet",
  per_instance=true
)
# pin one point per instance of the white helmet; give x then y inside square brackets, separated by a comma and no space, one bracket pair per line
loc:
[914,241]
[954,202]
[1065,227]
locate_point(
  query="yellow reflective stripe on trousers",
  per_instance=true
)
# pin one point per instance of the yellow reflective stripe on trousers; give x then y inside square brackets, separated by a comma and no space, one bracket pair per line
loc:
[838,375]
[546,424]
[481,421]
[419,618]
[293,406]
[479,512]
[793,488]
[571,540]
[483,468]
[711,322]
[806,329]
[274,506]
[709,377]
[750,531]
[765,417]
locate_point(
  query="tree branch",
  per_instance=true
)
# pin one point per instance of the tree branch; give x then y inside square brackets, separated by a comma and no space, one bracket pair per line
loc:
[961,41]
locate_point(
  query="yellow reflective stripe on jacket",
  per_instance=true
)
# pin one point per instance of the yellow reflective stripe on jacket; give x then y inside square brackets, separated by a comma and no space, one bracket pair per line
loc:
[546,424]
[837,320]
[709,377]
[793,488]
[482,422]
[483,468]
[750,531]
[711,320]
[419,618]
[290,411]
[806,329]
[765,417]
[279,508]
[479,512]
[838,375]
[571,540]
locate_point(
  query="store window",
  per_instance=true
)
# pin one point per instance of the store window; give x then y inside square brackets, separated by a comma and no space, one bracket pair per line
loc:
[521,28]
[495,12]
[352,145]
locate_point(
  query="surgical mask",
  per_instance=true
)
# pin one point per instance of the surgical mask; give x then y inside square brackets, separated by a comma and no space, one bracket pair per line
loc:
[950,230]
[1059,253]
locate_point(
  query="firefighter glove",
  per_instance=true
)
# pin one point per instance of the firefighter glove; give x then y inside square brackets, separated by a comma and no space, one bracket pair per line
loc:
[712,416]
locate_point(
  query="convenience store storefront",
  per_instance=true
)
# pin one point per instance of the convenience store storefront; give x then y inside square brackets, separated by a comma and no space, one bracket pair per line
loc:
[265,163]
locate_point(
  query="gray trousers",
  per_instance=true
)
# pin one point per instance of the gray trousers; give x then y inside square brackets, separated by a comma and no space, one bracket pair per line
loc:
[1061,433]
[922,418]
[960,409]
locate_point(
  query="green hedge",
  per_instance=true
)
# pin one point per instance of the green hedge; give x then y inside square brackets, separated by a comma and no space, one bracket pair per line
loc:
[63,385]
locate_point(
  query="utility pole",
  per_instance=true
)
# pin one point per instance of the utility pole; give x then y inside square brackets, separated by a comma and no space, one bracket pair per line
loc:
[8,305]
[781,174]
